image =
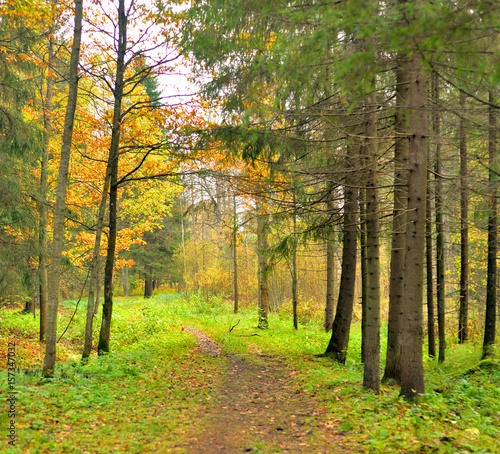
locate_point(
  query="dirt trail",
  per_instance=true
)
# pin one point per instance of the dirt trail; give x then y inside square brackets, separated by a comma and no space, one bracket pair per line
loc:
[257,410]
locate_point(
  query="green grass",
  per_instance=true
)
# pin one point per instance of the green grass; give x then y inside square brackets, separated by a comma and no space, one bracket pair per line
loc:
[137,399]
[143,396]
[459,413]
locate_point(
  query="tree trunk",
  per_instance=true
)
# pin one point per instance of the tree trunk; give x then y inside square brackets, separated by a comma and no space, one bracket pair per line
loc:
[148,283]
[54,277]
[412,371]
[126,280]
[440,244]
[235,255]
[294,268]
[98,285]
[431,335]
[491,287]
[392,369]
[330,283]
[330,270]
[30,304]
[95,266]
[107,308]
[464,229]
[183,240]
[364,278]
[371,376]
[44,184]
[341,328]
[263,268]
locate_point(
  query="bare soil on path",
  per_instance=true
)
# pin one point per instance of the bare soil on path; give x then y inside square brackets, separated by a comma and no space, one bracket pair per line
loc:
[258,409]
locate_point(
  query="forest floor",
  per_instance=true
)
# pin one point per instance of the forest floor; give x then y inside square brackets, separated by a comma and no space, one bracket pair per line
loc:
[257,409]
[188,376]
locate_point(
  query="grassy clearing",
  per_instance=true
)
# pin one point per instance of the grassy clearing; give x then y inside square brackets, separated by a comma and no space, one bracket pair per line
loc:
[140,398]
[143,396]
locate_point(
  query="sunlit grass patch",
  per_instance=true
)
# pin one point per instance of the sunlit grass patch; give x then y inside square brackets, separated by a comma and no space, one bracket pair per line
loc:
[136,399]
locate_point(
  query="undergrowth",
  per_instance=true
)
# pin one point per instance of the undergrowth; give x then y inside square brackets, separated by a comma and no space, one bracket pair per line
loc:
[154,385]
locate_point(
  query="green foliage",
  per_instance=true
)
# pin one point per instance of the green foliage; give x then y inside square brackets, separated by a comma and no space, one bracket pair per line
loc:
[152,381]
[155,380]
[22,323]
[20,144]
[459,413]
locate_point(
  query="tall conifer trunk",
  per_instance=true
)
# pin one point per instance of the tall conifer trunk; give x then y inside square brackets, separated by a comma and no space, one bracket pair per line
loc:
[412,371]
[339,340]
[364,277]
[491,281]
[371,376]
[464,228]
[440,252]
[330,267]
[431,335]
[392,369]
[330,283]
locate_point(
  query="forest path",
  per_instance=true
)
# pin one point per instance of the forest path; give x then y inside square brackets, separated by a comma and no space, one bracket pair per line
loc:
[258,410]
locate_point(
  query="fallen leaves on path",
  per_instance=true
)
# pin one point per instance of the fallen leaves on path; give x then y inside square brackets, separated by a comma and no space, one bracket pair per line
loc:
[257,409]
[206,344]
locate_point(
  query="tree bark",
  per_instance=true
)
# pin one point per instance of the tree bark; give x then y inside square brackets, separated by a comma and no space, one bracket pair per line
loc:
[44,184]
[54,277]
[148,282]
[464,228]
[107,308]
[371,376]
[412,371]
[263,268]
[98,287]
[330,284]
[392,369]
[440,245]
[294,268]
[341,328]
[364,278]
[431,334]
[491,281]
[95,266]
[235,256]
